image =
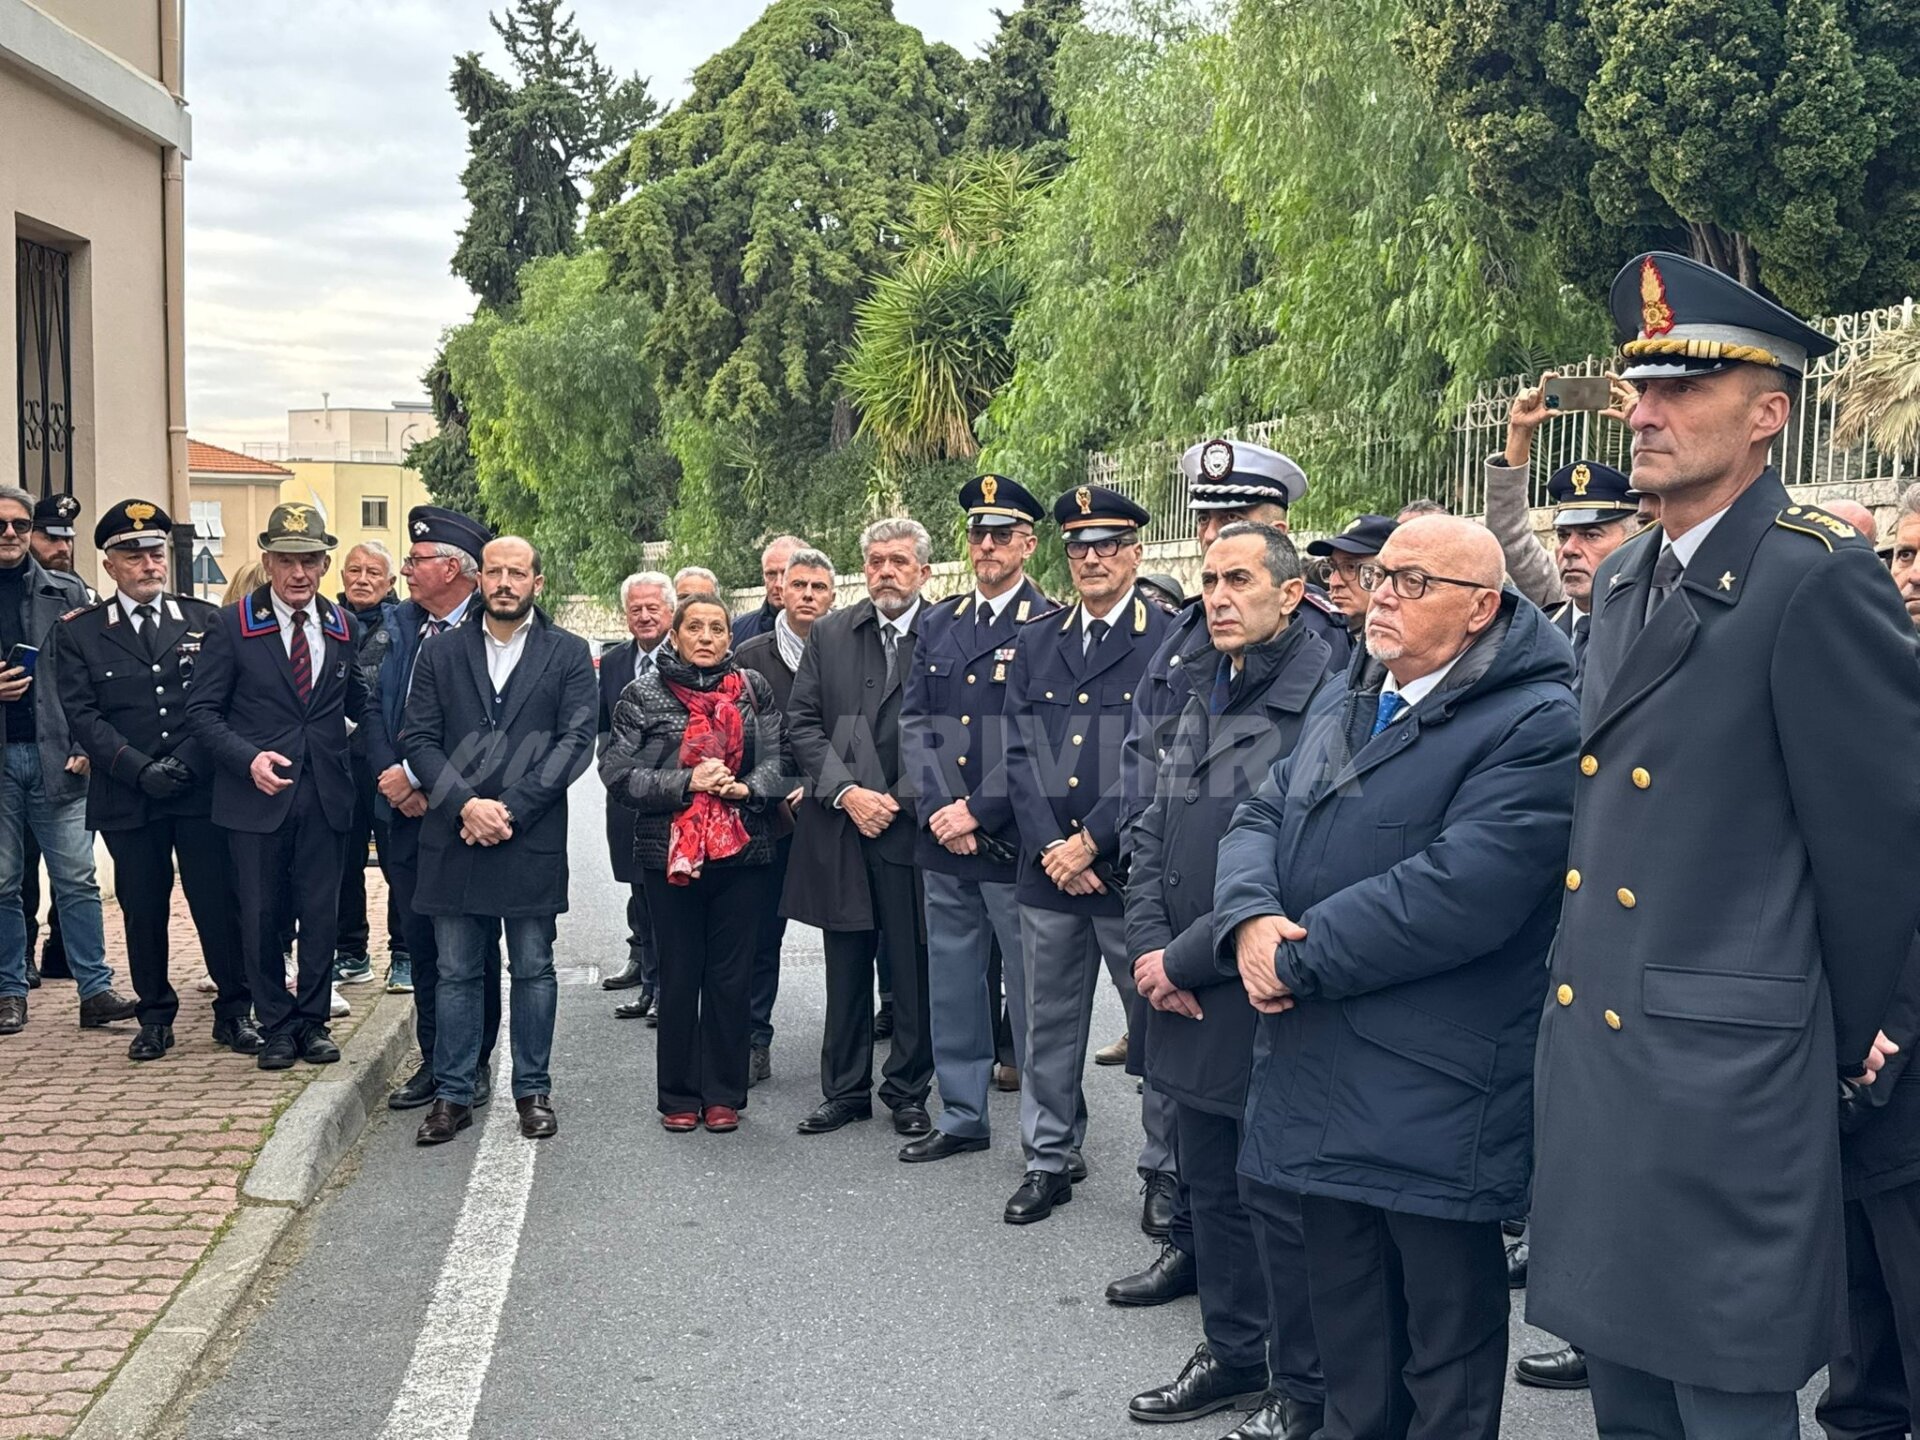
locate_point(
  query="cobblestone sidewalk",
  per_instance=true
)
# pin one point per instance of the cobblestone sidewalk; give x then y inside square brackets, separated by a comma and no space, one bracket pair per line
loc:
[116,1178]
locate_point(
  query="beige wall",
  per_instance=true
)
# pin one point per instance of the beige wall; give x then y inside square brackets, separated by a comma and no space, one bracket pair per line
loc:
[127,29]
[244,507]
[344,434]
[339,487]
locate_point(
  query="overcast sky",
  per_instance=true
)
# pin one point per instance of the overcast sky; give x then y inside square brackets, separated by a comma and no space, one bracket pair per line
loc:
[323,197]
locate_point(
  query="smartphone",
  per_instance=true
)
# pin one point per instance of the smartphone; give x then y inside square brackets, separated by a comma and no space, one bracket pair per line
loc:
[1570,392]
[22,657]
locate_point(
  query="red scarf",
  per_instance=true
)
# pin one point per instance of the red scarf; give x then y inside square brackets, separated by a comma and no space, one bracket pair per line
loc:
[709,828]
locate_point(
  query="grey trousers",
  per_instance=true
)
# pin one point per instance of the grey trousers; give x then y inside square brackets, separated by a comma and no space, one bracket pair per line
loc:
[1630,1404]
[963,918]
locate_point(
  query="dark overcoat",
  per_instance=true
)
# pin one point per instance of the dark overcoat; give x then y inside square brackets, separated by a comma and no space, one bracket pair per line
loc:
[614,675]
[1736,898]
[242,701]
[1213,763]
[523,748]
[50,596]
[952,726]
[1422,864]
[843,727]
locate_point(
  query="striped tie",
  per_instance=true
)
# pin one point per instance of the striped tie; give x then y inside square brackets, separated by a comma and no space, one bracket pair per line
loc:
[301,658]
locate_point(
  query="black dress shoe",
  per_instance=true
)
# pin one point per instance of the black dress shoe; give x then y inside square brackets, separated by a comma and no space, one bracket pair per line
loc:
[1171,1275]
[317,1048]
[939,1145]
[238,1035]
[1076,1166]
[883,1022]
[280,1052]
[911,1119]
[419,1090]
[13,1014]
[1156,1209]
[537,1120]
[482,1085]
[636,1009]
[1280,1417]
[625,980]
[1514,1229]
[1204,1386]
[832,1114]
[33,974]
[759,1065]
[1518,1253]
[1037,1195]
[444,1121]
[106,1008]
[1562,1369]
[152,1043]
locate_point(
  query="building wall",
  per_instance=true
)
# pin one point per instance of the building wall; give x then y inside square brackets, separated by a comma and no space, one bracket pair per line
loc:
[339,487]
[244,507]
[129,30]
[344,434]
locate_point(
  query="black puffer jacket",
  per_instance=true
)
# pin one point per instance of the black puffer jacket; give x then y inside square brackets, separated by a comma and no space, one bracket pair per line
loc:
[641,765]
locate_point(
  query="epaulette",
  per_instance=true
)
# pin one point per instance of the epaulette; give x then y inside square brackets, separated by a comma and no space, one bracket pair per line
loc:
[82,610]
[953,604]
[1321,603]
[1812,520]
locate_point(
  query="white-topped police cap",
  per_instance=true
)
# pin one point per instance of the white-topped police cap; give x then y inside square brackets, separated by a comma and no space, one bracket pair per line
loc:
[1677,317]
[1236,474]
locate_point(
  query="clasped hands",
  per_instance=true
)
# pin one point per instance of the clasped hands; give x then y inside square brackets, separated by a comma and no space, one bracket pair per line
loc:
[953,826]
[399,792]
[1150,979]
[712,777]
[870,810]
[1254,942]
[1069,865]
[485,822]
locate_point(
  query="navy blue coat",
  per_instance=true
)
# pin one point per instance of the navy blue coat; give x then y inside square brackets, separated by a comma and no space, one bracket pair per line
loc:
[1066,720]
[242,701]
[1424,865]
[1213,763]
[952,736]
[754,622]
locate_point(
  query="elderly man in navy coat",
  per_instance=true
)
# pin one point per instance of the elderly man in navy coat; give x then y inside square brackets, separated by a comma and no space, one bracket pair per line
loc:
[276,685]
[1384,898]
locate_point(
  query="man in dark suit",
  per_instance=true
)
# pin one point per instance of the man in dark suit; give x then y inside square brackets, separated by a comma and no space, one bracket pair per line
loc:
[1070,693]
[967,842]
[806,593]
[124,667]
[647,600]
[773,565]
[853,873]
[1749,675]
[499,724]
[272,694]
[443,572]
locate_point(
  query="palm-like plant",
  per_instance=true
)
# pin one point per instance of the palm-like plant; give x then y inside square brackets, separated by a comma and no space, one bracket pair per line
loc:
[1880,396]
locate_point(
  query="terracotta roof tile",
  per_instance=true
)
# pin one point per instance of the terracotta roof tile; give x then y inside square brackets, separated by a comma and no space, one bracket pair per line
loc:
[204,459]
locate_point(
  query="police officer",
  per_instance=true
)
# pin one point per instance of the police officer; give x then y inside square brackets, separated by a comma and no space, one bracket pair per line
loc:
[953,744]
[123,667]
[1071,689]
[1360,539]
[1750,672]
[53,532]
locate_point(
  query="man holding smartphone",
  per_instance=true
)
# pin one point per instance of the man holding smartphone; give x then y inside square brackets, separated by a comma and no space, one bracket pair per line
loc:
[43,785]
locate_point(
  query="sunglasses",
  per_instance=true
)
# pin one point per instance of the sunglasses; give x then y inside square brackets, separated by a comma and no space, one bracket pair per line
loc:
[16,527]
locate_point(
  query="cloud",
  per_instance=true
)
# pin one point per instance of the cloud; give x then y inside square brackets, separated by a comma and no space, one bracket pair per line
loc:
[323,198]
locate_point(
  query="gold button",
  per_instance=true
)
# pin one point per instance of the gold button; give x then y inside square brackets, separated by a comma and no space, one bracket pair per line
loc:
[1564,994]
[1083,697]
[1626,898]
[1127,696]
[1573,879]
[970,681]
[1613,1020]
[1073,782]
[1078,739]
[962,759]
[1589,765]
[1642,779]
[966,719]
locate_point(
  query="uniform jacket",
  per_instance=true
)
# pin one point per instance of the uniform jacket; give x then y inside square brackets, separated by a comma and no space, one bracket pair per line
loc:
[1530,566]
[614,675]
[1066,718]
[1736,899]
[1883,1152]
[127,708]
[1421,863]
[843,722]
[523,748]
[242,701]
[51,595]
[642,768]
[951,724]
[1213,763]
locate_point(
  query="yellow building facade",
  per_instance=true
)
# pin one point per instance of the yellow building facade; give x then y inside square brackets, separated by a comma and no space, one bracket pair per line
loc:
[362,500]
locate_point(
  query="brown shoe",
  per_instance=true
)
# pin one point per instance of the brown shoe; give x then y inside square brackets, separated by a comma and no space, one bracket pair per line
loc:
[1114,1054]
[444,1121]
[1006,1077]
[537,1120]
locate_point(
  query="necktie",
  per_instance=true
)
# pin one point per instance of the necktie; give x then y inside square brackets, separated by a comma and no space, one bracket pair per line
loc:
[432,627]
[1222,695]
[1580,624]
[1391,704]
[890,638]
[149,619]
[982,616]
[1096,632]
[301,658]
[642,663]
[1667,571]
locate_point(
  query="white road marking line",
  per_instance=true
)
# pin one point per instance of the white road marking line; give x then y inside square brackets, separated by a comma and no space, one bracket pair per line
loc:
[440,1392]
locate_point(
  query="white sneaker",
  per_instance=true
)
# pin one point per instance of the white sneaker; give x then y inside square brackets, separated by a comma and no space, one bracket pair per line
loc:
[340,1005]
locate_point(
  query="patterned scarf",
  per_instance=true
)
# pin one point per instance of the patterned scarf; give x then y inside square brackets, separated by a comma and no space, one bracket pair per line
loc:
[790,644]
[709,828]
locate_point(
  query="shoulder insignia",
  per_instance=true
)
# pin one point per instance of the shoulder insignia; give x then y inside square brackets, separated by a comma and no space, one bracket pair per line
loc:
[256,620]
[1022,611]
[1319,602]
[77,610]
[1812,520]
[1139,617]
[955,605]
[1067,624]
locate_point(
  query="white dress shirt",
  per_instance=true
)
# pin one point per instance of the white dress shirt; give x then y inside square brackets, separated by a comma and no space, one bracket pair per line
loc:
[503,655]
[128,604]
[1087,617]
[1688,544]
[316,639]
[1414,691]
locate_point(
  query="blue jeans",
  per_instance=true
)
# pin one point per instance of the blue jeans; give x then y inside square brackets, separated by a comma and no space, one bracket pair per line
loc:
[463,941]
[67,845]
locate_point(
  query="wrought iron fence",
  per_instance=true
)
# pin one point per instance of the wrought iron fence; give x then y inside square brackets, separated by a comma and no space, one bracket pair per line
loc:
[1391,470]
[43,350]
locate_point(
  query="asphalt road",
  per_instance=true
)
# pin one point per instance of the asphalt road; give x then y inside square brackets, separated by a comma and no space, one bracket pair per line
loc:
[757,1284]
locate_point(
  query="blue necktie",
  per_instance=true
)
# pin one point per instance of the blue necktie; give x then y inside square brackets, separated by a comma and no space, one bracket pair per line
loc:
[1390,706]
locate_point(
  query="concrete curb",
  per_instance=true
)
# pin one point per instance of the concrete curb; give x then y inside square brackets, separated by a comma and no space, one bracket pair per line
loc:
[308,1141]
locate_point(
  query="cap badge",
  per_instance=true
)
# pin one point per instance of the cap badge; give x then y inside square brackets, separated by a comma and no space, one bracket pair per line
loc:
[989,488]
[67,506]
[1352,525]
[139,513]
[1216,459]
[295,520]
[1582,477]
[420,528]
[1083,497]
[1656,315]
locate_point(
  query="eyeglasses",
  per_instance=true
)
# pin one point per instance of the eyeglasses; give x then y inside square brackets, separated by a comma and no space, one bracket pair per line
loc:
[412,560]
[17,527]
[1408,584]
[994,535]
[1105,549]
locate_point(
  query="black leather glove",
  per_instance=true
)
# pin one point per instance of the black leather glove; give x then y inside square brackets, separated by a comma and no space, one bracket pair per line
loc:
[165,778]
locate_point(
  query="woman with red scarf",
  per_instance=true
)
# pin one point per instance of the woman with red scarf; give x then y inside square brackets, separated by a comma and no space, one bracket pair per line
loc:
[696,753]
